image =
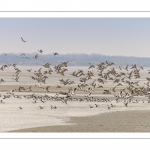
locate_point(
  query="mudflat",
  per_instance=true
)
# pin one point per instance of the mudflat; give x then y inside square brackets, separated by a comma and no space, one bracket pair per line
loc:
[124,121]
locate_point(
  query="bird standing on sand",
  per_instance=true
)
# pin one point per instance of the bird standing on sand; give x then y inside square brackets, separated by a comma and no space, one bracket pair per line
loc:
[29,70]
[55,107]
[126,104]
[108,107]
[96,105]
[41,107]
[91,106]
[58,86]
[20,107]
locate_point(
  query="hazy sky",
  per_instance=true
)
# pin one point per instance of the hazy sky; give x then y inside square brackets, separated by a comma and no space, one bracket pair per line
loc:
[108,36]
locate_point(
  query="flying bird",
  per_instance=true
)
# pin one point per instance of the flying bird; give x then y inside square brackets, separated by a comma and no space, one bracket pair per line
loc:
[55,54]
[23,54]
[5,54]
[36,56]
[40,51]
[23,40]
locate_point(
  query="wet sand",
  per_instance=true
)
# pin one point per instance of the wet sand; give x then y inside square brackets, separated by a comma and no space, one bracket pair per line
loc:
[13,118]
[125,121]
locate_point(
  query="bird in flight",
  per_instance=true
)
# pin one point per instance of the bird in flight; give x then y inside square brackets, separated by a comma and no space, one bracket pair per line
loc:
[40,51]
[23,40]
[36,56]
[5,54]
[55,54]
[23,54]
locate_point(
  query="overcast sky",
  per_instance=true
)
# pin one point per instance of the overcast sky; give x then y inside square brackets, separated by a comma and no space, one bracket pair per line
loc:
[108,36]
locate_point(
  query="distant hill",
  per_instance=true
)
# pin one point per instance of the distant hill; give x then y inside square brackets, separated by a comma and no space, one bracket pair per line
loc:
[73,59]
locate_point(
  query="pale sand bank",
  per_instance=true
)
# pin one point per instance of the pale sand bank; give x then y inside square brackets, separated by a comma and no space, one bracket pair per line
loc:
[125,121]
[12,118]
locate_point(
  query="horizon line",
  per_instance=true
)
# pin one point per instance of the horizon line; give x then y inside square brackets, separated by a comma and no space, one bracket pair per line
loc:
[76,54]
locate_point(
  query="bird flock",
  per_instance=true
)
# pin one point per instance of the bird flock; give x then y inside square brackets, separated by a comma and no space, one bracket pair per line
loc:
[125,81]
